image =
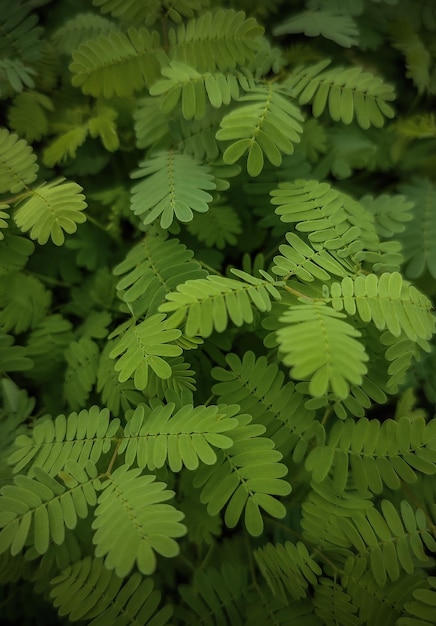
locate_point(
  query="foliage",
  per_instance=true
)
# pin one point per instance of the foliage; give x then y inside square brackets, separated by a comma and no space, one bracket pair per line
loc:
[217,281]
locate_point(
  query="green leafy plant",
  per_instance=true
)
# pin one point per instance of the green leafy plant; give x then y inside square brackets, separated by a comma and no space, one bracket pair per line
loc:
[217,279]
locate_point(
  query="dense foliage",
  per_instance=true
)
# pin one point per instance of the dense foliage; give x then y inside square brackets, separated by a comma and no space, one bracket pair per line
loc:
[217,268]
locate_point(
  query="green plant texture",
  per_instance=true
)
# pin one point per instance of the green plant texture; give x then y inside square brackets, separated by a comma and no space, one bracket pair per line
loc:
[217,279]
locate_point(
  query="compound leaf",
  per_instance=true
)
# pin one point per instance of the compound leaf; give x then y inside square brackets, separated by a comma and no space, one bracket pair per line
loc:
[131,523]
[51,210]
[174,186]
[321,347]
[142,347]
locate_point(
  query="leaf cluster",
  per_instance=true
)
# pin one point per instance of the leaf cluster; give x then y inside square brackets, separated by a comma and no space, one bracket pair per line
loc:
[217,287]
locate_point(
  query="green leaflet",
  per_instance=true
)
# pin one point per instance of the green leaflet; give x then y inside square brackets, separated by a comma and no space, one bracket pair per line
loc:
[216,593]
[340,28]
[134,598]
[18,166]
[174,187]
[219,227]
[269,124]
[80,28]
[195,90]
[130,514]
[142,347]
[45,507]
[221,40]
[177,438]
[287,568]
[24,301]
[300,260]
[421,608]
[82,358]
[321,347]
[418,252]
[375,455]
[79,437]
[349,93]
[155,265]
[245,479]
[259,389]
[388,301]
[332,219]
[52,210]
[209,303]
[117,397]
[117,63]
[12,358]
[217,281]
[29,115]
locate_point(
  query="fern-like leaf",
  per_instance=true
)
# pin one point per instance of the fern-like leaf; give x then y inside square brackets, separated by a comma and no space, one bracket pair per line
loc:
[82,362]
[245,478]
[131,11]
[44,507]
[131,523]
[175,186]
[80,28]
[391,213]
[154,266]
[46,345]
[12,358]
[320,346]
[24,302]
[349,93]
[334,221]
[178,438]
[117,397]
[417,57]
[331,601]
[422,608]
[300,260]
[29,114]
[18,166]
[79,437]
[117,63]
[218,227]
[268,124]
[388,301]
[207,304]
[195,89]
[221,40]
[141,347]
[368,454]
[53,209]
[339,27]
[215,596]
[113,600]
[419,253]
[288,568]
[151,124]
[259,390]
[392,539]
[14,253]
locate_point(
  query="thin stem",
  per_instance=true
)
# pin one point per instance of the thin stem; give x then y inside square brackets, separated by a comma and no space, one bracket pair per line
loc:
[48,279]
[113,459]
[209,268]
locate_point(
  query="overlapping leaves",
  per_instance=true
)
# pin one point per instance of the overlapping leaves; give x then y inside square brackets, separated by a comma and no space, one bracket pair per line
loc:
[245,479]
[208,304]
[141,347]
